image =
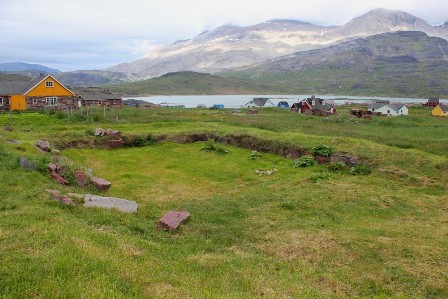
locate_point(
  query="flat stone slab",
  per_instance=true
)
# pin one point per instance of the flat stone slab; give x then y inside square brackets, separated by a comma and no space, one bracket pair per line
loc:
[122,205]
[12,141]
[173,219]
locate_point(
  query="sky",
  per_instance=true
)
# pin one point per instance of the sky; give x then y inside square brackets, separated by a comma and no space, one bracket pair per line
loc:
[95,34]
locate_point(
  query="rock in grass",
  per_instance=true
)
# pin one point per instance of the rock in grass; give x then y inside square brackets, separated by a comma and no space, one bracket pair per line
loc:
[173,219]
[81,178]
[114,133]
[52,167]
[8,129]
[122,205]
[12,141]
[101,184]
[27,164]
[61,198]
[59,178]
[99,132]
[348,159]
[43,145]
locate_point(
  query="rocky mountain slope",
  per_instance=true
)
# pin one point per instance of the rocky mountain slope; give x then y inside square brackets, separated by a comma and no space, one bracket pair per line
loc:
[400,63]
[94,78]
[230,47]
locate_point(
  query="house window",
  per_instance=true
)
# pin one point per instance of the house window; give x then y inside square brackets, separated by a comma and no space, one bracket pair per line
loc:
[1,102]
[373,109]
[388,111]
[34,101]
[52,101]
[49,84]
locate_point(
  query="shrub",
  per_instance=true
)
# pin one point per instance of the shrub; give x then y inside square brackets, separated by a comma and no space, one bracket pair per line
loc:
[97,117]
[336,166]
[90,132]
[211,146]
[60,115]
[323,150]
[361,169]
[314,177]
[139,141]
[42,163]
[254,155]
[304,161]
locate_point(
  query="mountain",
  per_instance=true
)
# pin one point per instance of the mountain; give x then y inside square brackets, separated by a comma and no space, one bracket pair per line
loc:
[93,78]
[409,63]
[26,67]
[229,47]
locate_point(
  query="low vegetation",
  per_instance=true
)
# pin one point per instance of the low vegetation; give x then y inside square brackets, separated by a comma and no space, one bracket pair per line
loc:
[306,232]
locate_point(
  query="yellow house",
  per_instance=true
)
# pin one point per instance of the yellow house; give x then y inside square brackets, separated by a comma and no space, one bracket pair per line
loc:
[440,110]
[41,92]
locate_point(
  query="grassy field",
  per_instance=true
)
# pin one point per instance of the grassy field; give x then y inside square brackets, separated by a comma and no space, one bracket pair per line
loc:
[383,235]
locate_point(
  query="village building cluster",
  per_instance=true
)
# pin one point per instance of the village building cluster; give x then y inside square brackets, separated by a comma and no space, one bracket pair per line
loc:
[44,92]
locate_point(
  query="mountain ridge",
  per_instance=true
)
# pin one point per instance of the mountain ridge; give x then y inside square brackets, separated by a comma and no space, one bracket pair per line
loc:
[23,67]
[229,46]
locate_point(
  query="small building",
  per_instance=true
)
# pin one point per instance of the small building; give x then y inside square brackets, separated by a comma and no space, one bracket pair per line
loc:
[132,103]
[283,104]
[389,109]
[440,110]
[317,106]
[259,102]
[296,107]
[108,100]
[217,106]
[39,93]
[432,102]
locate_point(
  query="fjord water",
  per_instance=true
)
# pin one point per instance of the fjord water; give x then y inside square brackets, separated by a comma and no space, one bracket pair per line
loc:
[237,101]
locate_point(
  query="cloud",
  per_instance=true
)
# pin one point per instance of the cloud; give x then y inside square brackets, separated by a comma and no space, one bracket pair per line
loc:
[85,34]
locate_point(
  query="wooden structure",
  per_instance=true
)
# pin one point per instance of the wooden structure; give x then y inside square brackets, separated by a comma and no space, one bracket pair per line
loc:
[92,100]
[283,104]
[440,110]
[259,102]
[39,93]
[389,109]
[315,106]
[432,102]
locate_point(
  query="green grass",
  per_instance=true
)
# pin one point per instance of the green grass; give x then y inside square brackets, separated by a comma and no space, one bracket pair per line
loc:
[279,236]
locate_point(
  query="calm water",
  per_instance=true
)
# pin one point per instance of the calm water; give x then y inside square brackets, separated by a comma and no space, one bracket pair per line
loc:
[236,101]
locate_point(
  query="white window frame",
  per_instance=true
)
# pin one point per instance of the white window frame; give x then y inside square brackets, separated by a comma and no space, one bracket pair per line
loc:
[34,101]
[51,101]
[1,102]
[49,84]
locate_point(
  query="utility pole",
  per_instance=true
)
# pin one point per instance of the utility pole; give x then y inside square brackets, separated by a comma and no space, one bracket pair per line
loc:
[10,112]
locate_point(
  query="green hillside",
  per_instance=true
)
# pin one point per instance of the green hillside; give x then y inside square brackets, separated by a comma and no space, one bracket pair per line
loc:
[186,83]
[321,231]
[13,77]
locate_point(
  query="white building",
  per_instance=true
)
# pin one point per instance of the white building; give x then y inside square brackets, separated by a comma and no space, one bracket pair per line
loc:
[389,109]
